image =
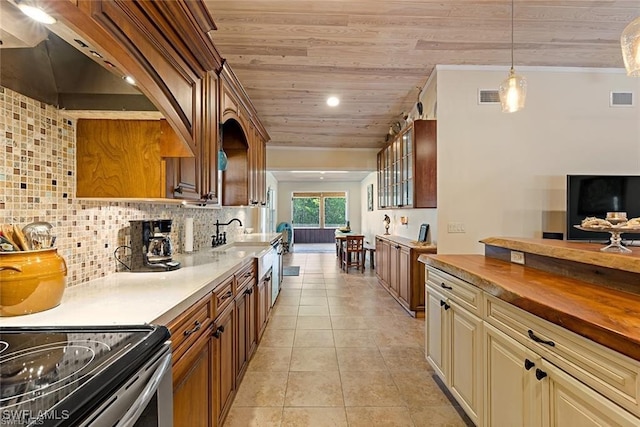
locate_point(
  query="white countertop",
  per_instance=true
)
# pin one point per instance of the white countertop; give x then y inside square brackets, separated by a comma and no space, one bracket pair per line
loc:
[149,297]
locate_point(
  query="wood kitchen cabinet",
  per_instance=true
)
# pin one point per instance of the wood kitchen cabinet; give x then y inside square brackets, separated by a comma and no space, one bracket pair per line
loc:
[245,314]
[195,178]
[193,367]
[244,141]
[400,273]
[165,47]
[407,172]
[383,248]
[224,368]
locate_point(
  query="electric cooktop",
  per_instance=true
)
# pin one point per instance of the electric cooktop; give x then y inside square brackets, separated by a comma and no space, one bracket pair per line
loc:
[56,376]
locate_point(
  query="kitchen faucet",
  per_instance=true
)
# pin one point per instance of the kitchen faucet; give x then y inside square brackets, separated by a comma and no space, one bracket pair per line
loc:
[220,239]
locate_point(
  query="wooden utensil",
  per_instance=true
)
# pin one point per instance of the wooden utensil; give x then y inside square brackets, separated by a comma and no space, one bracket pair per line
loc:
[20,239]
[7,232]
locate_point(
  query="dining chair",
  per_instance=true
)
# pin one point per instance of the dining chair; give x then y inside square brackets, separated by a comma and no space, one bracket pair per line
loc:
[353,253]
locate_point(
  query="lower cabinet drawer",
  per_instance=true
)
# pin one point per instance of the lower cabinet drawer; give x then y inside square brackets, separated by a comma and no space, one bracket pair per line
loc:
[610,373]
[223,296]
[463,293]
[186,329]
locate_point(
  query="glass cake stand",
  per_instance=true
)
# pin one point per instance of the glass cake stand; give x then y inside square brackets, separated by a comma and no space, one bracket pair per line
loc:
[616,240]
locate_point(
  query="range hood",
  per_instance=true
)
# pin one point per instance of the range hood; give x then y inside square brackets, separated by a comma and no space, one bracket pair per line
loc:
[43,65]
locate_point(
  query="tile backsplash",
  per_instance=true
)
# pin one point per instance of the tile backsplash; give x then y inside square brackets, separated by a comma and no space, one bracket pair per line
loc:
[37,183]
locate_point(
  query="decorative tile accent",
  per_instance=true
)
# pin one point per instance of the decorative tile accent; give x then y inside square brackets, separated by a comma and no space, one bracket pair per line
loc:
[37,183]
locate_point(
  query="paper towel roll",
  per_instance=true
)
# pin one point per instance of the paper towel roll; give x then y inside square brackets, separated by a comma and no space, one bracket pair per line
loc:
[188,234]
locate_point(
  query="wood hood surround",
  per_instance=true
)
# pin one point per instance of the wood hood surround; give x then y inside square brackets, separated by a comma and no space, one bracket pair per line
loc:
[166,47]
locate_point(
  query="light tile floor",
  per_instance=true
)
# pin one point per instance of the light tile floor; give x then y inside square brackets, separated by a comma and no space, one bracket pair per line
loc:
[339,351]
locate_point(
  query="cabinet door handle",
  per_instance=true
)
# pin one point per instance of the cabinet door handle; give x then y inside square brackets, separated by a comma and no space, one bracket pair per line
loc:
[196,327]
[540,340]
[540,374]
[178,189]
[218,331]
[229,294]
[445,305]
[445,286]
[528,364]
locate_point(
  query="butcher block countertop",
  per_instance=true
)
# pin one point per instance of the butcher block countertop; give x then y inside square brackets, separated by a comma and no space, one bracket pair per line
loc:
[607,316]
[587,253]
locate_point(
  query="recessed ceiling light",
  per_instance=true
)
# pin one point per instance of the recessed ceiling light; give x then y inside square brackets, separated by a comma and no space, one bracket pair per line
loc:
[333,101]
[129,80]
[36,13]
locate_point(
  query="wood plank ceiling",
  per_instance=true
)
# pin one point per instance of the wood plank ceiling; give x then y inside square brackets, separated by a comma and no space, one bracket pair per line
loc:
[291,55]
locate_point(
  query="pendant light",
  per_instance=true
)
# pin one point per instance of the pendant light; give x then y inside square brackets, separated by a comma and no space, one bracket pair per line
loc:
[222,156]
[630,43]
[513,90]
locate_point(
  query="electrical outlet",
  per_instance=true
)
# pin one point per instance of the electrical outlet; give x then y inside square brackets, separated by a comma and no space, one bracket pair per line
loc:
[455,227]
[517,257]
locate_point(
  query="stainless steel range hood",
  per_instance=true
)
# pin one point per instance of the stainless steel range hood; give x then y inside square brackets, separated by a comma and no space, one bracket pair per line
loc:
[40,64]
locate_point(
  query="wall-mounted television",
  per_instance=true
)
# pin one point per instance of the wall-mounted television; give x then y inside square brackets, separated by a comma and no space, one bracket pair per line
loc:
[595,195]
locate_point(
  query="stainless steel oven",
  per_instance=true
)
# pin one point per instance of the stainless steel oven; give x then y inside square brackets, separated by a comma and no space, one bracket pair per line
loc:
[111,376]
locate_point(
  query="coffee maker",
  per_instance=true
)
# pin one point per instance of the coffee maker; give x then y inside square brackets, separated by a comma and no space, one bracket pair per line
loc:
[151,247]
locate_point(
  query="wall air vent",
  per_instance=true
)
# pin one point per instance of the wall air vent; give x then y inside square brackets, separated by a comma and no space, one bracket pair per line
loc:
[621,99]
[488,96]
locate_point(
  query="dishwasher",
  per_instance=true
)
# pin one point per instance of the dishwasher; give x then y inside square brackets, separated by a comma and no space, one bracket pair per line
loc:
[86,376]
[276,270]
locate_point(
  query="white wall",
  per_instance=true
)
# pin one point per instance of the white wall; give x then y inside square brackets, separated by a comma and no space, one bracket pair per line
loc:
[499,173]
[354,202]
[372,221]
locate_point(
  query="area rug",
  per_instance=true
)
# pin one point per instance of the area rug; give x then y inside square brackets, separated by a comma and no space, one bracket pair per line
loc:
[291,270]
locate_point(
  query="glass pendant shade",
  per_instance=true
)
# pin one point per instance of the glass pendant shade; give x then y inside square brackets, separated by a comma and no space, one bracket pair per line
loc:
[513,92]
[222,160]
[630,43]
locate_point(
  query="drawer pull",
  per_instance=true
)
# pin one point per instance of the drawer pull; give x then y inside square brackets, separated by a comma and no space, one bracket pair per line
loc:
[442,285]
[248,274]
[540,340]
[540,374]
[229,294]
[218,331]
[196,327]
[528,364]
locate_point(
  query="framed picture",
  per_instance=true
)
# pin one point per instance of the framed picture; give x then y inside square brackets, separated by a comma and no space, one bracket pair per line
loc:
[424,232]
[370,197]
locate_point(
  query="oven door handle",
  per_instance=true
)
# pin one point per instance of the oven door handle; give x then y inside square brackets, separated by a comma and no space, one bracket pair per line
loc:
[136,409]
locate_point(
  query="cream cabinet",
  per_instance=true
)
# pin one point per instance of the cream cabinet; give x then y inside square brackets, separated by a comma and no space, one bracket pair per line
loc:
[525,389]
[454,345]
[512,393]
[507,367]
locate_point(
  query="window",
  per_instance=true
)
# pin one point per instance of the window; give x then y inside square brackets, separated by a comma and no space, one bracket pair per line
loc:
[319,210]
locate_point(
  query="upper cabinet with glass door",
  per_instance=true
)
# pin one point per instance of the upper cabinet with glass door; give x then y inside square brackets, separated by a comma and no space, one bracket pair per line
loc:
[407,170]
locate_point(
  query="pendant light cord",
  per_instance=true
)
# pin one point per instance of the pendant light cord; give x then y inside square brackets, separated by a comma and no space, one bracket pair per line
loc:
[511,35]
